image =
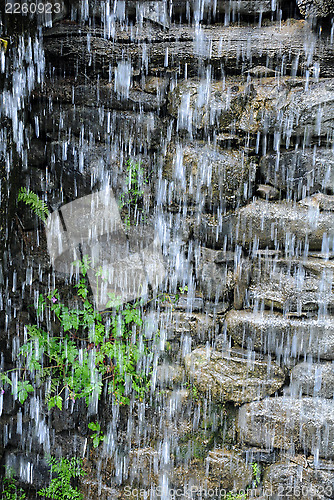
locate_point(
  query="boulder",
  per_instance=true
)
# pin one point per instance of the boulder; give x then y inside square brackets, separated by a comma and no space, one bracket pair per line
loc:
[283,225]
[181,329]
[214,271]
[305,424]
[222,470]
[313,379]
[292,286]
[293,480]
[320,201]
[206,105]
[316,8]
[169,375]
[273,333]
[229,468]
[201,174]
[288,108]
[299,173]
[212,231]
[234,375]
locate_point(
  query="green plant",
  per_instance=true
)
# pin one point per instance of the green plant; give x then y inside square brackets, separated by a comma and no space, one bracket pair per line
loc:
[132,197]
[60,487]
[10,491]
[193,390]
[88,353]
[256,474]
[37,205]
[97,435]
[235,496]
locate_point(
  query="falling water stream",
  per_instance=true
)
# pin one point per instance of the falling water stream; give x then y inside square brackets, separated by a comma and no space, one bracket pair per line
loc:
[224,113]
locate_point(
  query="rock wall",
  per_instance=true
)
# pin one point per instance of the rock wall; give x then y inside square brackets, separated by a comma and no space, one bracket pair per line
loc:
[231,111]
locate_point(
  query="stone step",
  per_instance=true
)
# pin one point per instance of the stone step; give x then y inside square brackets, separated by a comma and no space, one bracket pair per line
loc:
[239,47]
[283,225]
[312,379]
[273,333]
[233,375]
[305,424]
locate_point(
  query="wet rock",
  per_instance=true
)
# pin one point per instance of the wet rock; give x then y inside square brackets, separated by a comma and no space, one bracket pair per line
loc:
[243,275]
[77,166]
[313,379]
[304,110]
[66,48]
[157,11]
[322,202]
[92,489]
[283,225]
[119,95]
[222,470]
[156,85]
[202,105]
[182,329]
[233,375]
[267,192]
[316,8]
[202,174]
[292,286]
[169,374]
[261,455]
[288,423]
[300,173]
[274,333]
[123,129]
[263,111]
[213,232]
[143,467]
[72,416]
[229,8]
[214,271]
[296,480]
[29,468]
[229,468]
[291,110]
[36,154]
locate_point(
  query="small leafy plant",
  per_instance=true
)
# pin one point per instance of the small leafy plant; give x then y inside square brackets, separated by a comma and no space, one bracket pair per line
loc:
[89,352]
[97,435]
[135,182]
[10,491]
[256,474]
[37,205]
[235,496]
[60,487]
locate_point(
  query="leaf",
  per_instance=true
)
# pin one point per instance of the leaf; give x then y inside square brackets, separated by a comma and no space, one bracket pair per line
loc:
[55,401]
[37,205]
[23,387]
[94,426]
[114,302]
[5,379]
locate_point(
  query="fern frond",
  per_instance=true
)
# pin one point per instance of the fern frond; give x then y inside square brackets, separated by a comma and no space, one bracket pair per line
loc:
[37,205]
